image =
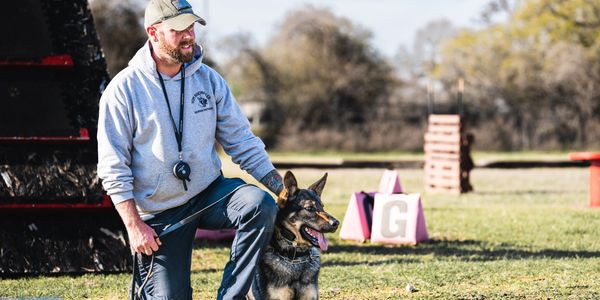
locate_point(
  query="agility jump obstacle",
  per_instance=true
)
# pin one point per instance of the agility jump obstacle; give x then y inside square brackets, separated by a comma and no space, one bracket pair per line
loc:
[447,155]
[385,216]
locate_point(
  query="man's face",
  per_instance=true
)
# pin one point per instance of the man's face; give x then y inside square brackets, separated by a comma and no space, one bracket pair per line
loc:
[178,45]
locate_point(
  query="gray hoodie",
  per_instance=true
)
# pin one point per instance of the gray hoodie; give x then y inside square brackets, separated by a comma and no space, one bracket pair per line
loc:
[137,148]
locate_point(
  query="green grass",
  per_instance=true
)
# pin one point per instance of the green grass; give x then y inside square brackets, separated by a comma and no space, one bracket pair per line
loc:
[524,233]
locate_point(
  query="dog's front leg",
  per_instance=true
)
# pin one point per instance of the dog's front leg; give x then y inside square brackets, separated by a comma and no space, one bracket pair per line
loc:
[309,292]
[280,293]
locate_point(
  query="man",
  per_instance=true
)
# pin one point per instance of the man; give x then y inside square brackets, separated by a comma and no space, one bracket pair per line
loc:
[158,123]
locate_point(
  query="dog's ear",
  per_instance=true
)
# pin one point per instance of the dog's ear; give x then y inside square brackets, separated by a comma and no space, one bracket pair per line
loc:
[290,183]
[319,185]
[282,198]
[290,188]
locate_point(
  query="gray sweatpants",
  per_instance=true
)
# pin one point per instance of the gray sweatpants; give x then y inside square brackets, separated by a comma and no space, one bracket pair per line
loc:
[250,210]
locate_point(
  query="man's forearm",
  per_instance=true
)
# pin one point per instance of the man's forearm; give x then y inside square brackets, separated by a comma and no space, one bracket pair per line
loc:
[273,182]
[128,212]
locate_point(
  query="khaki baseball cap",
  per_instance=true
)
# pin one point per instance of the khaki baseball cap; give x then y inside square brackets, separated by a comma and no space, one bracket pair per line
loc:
[176,14]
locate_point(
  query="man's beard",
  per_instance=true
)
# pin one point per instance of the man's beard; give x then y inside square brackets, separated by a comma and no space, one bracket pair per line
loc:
[175,52]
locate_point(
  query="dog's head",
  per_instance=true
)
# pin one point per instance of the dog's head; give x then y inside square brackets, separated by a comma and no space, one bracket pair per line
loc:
[301,213]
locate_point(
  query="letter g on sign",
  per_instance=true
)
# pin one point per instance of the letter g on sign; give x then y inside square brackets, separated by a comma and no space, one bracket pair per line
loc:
[394,219]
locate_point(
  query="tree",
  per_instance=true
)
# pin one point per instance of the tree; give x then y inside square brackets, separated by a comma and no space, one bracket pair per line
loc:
[498,9]
[255,79]
[416,68]
[317,73]
[119,24]
[574,77]
[331,76]
[541,66]
[428,43]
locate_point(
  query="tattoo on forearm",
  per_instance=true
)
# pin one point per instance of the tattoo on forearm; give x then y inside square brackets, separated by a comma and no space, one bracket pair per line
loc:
[273,182]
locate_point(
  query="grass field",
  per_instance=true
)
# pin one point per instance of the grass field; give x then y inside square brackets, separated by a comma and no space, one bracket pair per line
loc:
[524,233]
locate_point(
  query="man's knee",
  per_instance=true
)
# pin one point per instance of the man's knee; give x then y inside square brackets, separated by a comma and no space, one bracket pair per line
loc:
[259,203]
[267,205]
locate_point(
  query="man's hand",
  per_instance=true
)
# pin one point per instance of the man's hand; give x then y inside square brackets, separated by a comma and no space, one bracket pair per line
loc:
[142,238]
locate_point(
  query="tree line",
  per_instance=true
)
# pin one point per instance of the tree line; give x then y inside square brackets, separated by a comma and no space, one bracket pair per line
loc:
[531,73]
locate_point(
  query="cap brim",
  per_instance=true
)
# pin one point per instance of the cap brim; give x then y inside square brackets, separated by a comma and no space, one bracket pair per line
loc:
[183,21]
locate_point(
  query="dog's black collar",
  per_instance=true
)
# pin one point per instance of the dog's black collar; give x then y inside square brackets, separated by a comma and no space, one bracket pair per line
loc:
[291,252]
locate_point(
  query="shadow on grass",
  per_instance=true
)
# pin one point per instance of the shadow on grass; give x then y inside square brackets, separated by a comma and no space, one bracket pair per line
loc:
[348,263]
[468,250]
[207,270]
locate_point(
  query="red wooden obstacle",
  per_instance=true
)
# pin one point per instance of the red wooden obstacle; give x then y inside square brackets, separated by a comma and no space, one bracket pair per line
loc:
[594,159]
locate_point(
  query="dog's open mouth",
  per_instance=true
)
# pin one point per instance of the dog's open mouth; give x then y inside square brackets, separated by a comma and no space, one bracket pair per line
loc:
[315,237]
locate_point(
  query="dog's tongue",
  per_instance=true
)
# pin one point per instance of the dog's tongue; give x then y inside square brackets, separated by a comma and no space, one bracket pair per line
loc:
[322,242]
[320,237]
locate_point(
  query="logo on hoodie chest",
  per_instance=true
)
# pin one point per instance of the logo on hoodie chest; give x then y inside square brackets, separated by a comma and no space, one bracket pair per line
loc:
[201,102]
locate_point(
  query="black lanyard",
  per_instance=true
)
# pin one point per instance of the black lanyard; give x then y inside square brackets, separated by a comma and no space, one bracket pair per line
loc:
[178,132]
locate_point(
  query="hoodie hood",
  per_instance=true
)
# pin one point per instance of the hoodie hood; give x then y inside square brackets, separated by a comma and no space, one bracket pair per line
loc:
[143,61]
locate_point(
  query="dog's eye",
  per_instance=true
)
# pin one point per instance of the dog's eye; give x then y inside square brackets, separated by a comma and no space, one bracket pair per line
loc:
[310,208]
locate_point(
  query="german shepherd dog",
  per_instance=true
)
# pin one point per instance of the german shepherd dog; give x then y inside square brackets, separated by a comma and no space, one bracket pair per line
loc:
[289,268]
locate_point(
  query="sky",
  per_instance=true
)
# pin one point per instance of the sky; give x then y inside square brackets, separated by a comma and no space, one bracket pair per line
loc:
[392,22]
